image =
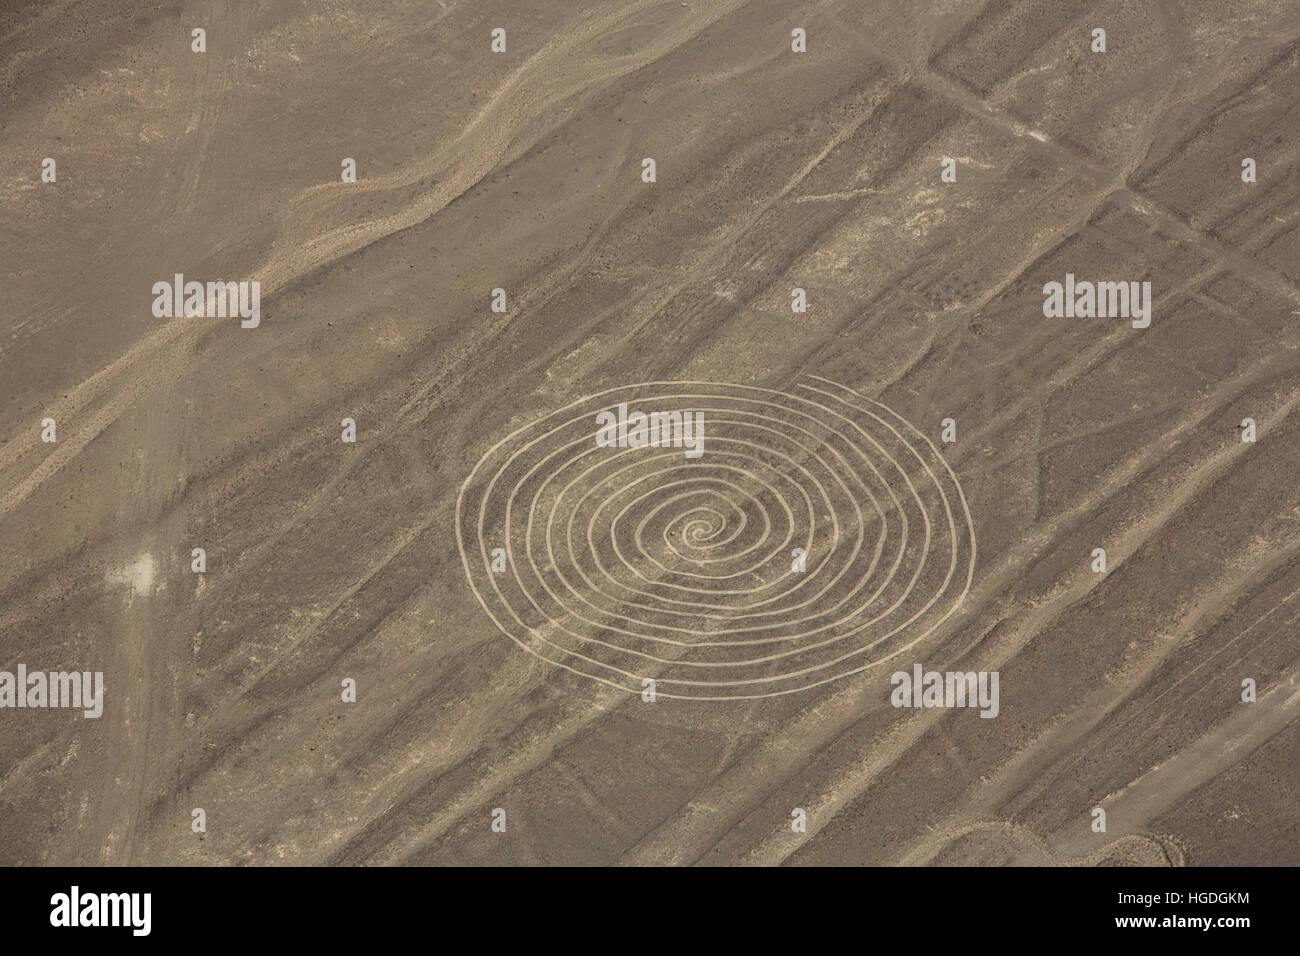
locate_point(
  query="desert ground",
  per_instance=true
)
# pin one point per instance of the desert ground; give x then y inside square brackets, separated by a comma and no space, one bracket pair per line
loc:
[501,718]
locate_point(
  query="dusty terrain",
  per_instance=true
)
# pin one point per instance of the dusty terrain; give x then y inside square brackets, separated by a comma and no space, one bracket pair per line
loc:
[522,170]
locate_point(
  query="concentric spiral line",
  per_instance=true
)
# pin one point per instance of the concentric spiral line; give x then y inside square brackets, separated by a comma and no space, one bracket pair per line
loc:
[623,564]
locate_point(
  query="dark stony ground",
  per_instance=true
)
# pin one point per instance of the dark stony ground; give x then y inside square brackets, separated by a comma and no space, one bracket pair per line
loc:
[522,170]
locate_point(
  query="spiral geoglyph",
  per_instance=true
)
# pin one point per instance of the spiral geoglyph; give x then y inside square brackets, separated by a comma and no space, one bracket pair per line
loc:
[623,564]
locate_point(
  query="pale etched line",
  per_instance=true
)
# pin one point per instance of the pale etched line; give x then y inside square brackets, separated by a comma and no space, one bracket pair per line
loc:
[306,255]
[775,850]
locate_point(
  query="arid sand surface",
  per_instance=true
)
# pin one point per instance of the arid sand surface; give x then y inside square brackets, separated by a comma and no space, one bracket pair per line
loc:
[775,170]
